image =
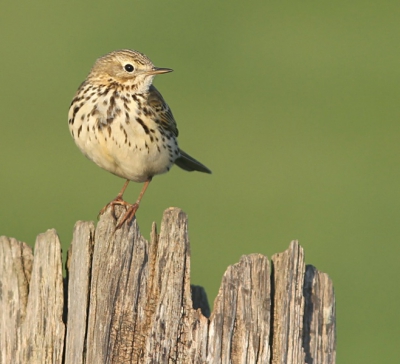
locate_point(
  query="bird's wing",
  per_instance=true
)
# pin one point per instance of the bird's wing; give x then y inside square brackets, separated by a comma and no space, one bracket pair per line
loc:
[162,110]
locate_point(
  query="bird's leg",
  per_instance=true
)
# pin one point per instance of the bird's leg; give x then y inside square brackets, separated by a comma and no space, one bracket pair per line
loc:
[117,200]
[131,211]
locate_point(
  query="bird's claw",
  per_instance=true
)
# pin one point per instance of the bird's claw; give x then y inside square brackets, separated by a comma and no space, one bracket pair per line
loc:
[129,215]
[117,201]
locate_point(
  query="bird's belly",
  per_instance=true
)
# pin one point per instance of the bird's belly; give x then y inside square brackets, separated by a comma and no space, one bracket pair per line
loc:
[125,150]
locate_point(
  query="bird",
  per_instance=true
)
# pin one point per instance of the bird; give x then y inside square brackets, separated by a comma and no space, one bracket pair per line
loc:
[120,121]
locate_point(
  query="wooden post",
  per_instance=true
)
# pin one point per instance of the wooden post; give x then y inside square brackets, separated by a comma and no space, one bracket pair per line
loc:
[126,300]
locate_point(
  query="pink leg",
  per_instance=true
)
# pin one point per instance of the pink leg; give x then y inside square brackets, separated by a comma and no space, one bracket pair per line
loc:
[131,211]
[117,200]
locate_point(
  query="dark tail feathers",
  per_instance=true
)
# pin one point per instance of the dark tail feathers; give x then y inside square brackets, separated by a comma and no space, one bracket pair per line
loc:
[186,162]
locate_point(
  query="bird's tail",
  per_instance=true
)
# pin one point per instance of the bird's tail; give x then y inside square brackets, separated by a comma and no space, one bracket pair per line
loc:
[186,162]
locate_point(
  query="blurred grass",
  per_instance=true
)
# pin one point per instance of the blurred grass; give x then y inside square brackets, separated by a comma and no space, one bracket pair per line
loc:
[294,106]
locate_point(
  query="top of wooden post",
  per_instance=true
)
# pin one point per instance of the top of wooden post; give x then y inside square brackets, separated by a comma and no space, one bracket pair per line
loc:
[129,300]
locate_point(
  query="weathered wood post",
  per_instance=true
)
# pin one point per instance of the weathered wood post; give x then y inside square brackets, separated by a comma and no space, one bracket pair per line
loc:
[126,300]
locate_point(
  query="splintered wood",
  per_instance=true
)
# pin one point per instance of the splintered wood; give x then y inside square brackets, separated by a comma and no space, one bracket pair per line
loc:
[127,300]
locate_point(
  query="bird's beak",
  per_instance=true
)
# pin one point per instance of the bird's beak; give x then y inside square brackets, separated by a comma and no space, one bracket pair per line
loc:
[158,71]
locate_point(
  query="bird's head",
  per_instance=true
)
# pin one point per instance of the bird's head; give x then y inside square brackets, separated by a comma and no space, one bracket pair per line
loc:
[125,67]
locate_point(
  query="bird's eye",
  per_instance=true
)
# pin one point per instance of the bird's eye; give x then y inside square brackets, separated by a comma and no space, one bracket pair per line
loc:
[129,68]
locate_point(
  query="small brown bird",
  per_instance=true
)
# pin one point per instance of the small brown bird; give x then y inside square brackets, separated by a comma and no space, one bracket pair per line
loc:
[121,122]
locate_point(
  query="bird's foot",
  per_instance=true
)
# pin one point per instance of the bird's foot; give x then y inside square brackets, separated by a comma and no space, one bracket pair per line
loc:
[129,214]
[117,201]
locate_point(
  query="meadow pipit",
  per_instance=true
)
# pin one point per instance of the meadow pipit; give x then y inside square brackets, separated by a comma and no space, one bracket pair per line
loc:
[121,122]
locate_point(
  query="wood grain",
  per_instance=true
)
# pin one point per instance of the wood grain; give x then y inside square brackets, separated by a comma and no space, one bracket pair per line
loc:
[127,300]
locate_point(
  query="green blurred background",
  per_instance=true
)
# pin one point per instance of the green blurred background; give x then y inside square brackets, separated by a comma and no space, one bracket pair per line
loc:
[294,106]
